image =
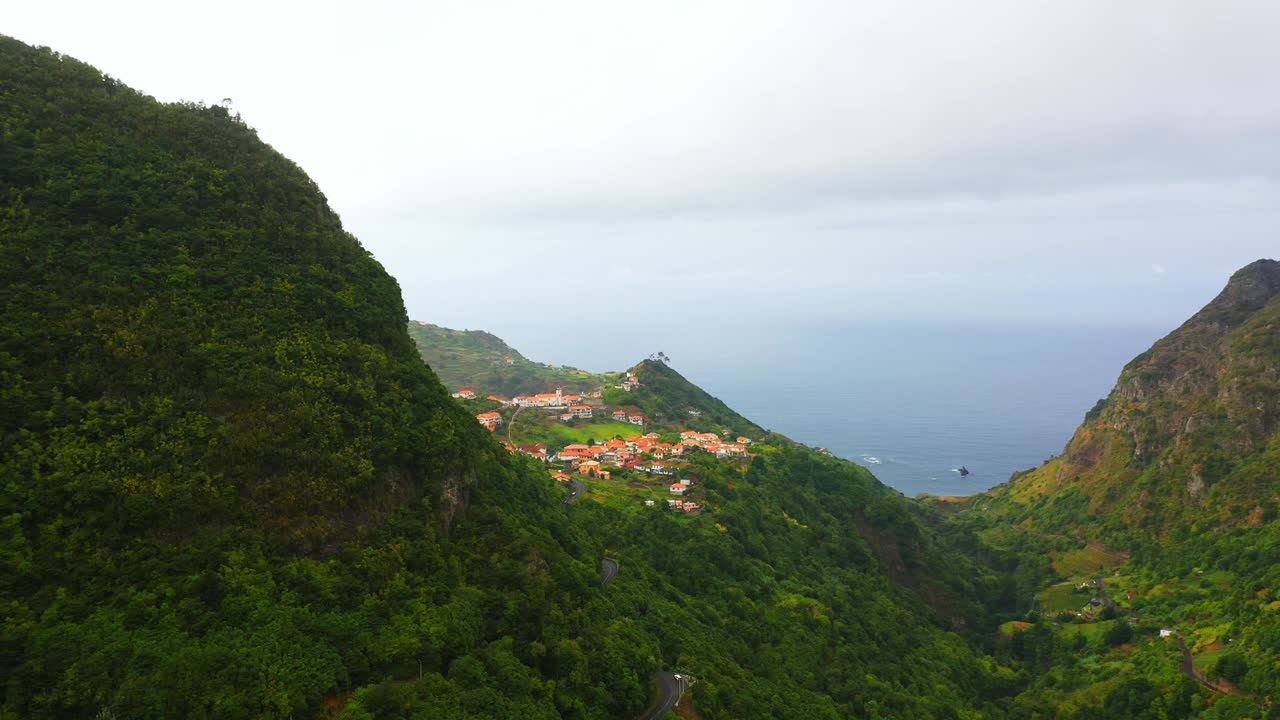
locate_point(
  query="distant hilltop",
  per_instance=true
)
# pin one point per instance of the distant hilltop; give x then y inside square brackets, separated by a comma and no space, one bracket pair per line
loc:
[483,361]
[482,364]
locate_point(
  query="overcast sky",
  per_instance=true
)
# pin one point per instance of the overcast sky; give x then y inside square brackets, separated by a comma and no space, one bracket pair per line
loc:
[515,165]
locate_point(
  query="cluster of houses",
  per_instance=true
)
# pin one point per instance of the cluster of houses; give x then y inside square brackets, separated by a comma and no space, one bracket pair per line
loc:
[633,418]
[627,452]
[714,445]
[574,407]
[624,453]
[550,401]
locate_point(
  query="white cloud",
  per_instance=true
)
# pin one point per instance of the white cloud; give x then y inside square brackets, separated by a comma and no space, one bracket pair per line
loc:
[987,159]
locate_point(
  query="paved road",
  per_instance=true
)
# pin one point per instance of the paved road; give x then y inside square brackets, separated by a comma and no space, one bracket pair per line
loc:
[609,570]
[1107,602]
[577,488]
[670,687]
[1188,666]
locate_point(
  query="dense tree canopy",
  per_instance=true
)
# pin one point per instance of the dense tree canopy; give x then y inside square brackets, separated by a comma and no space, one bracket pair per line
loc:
[230,488]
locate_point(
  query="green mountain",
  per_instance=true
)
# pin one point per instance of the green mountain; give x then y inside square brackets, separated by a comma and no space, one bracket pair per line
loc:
[1188,440]
[666,396]
[475,359]
[1159,519]
[229,487]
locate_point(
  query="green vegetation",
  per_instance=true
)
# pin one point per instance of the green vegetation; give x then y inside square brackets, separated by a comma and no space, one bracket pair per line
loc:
[481,361]
[231,489]
[1062,597]
[628,491]
[537,427]
[1086,561]
[1014,626]
[1177,466]
[666,396]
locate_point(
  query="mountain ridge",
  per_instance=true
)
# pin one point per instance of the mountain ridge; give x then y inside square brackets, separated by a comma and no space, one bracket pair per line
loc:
[1177,467]
[230,488]
[1176,435]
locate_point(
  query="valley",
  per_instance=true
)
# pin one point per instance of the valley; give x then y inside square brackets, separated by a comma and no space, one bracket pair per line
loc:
[236,481]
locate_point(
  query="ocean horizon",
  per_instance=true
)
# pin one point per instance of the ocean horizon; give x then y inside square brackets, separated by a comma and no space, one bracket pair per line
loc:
[915,404]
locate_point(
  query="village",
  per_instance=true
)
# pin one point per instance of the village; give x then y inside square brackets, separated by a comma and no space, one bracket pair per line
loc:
[658,457]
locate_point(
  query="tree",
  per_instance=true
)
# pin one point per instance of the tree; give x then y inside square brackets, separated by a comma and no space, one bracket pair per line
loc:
[1118,634]
[1233,666]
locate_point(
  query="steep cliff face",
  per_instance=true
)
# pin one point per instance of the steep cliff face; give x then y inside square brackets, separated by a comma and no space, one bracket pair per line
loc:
[1191,426]
[1170,489]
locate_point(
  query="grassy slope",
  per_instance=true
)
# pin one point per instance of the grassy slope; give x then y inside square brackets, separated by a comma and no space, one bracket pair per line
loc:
[666,396]
[477,359]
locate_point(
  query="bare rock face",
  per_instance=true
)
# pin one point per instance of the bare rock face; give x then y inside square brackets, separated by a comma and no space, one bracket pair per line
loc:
[1248,290]
[455,496]
[1195,486]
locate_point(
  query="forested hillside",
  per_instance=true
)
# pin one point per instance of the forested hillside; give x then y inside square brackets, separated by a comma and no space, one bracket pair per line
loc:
[229,487]
[1153,539]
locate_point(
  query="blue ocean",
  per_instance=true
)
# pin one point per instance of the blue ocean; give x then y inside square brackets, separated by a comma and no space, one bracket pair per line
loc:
[915,404]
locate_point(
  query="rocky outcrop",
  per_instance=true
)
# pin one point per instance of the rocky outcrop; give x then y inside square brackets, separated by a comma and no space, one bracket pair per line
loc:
[1185,415]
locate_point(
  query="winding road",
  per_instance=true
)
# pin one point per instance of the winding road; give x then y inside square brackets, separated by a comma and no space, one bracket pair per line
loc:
[1188,666]
[609,570]
[1107,602]
[577,488]
[670,687]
